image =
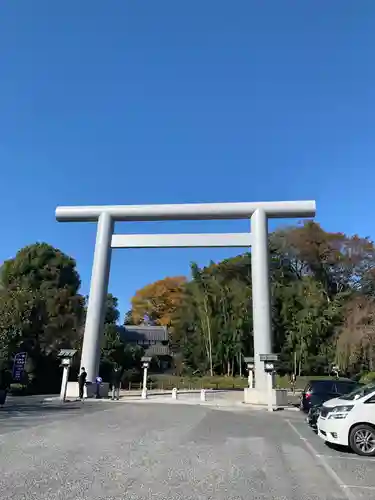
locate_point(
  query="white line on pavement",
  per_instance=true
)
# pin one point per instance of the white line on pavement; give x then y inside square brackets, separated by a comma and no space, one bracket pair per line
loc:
[340,457]
[358,486]
[349,495]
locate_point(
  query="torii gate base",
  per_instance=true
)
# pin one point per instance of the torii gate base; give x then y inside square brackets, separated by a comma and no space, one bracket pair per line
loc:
[259,213]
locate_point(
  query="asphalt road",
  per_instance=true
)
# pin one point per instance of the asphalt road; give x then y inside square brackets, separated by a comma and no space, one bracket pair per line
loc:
[23,413]
[103,450]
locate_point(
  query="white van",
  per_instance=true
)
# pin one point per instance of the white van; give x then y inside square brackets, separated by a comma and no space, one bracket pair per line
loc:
[350,420]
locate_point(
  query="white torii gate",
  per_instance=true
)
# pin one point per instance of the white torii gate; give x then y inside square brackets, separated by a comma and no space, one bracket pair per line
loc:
[258,213]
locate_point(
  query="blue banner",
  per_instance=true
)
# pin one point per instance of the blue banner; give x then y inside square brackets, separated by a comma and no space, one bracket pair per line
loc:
[19,365]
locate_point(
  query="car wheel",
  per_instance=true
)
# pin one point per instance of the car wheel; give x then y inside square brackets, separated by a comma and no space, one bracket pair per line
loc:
[362,440]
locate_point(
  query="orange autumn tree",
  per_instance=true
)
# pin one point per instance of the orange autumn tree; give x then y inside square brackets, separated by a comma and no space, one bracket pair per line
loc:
[158,301]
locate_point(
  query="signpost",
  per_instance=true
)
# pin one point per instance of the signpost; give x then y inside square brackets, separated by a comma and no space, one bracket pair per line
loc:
[19,366]
[269,368]
[250,366]
[146,360]
[66,356]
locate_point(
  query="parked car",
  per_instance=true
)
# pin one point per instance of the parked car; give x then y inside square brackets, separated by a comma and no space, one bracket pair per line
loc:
[314,412]
[318,391]
[349,420]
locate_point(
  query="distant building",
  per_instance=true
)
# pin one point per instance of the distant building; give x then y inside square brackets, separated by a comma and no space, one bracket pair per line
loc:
[153,339]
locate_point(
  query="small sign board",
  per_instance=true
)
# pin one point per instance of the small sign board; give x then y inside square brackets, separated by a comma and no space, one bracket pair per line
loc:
[249,359]
[66,353]
[268,357]
[98,380]
[19,365]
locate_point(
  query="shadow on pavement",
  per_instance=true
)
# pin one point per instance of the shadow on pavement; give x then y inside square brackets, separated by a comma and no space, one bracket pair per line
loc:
[17,409]
[341,449]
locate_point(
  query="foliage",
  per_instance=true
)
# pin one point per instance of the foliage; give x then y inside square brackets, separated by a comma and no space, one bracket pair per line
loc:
[323,311]
[355,342]
[158,301]
[40,267]
[41,310]
[112,314]
[114,351]
[167,382]
[367,377]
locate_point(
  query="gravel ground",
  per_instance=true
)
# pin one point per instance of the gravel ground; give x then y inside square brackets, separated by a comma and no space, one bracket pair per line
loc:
[139,451]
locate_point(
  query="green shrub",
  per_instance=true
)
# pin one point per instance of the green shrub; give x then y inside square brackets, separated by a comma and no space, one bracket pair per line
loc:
[366,378]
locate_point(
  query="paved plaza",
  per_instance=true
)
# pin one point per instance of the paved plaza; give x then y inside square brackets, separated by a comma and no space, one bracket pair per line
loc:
[129,450]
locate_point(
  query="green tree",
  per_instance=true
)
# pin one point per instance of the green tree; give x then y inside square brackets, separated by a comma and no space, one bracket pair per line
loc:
[41,310]
[38,267]
[114,351]
[112,314]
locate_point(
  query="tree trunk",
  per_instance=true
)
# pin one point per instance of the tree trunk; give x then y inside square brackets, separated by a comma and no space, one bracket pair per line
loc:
[208,324]
[370,358]
[300,360]
[228,367]
[206,343]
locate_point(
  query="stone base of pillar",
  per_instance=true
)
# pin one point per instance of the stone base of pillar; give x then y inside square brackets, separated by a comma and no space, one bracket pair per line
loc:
[72,390]
[253,396]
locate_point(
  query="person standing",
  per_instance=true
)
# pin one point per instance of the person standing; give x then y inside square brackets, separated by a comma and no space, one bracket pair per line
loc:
[4,387]
[293,382]
[116,383]
[82,382]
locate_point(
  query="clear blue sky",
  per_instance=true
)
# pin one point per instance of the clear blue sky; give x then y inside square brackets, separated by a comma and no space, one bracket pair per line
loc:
[164,101]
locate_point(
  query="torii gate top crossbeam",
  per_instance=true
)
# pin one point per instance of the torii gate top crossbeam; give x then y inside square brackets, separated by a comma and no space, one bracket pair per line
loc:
[192,211]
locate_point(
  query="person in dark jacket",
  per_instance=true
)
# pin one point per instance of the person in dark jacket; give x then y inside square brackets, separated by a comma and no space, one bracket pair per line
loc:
[4,387]
[81,382]
[116,383]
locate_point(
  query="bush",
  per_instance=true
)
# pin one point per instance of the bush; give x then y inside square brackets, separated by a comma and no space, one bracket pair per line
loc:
[131,376]
[366,378]
[19,390]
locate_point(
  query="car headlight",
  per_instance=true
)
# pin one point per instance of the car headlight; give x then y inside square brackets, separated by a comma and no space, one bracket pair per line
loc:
[339,412]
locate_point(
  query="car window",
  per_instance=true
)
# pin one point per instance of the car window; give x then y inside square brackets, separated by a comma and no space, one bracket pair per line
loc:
[360,392]
[371,400]
[344,387]
[322,386]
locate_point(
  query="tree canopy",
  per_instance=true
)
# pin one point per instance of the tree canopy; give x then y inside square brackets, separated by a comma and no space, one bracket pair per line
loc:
[41,310]
[322,283]
[323,309]
[158,301]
